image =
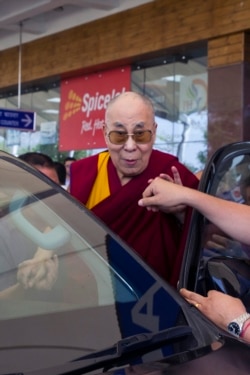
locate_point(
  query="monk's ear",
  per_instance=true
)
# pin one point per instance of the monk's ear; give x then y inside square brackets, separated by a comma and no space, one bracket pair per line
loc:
[154,131]
[104,130]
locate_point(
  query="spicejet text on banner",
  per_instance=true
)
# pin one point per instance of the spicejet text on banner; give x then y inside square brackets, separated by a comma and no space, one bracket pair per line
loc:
[82,108]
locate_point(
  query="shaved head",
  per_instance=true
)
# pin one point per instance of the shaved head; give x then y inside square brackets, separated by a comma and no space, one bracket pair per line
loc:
[129,97]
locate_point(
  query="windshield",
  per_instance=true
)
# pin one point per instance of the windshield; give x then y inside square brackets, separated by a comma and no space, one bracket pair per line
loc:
[68,287]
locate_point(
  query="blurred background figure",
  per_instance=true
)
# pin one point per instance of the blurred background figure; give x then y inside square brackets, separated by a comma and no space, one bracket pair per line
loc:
[67,162]
[42,162]
[61,172]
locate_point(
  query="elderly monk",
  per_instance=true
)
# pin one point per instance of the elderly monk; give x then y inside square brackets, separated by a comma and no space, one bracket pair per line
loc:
[111,183]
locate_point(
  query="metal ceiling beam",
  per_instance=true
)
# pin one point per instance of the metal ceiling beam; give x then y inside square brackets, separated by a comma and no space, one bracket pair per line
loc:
[14,11]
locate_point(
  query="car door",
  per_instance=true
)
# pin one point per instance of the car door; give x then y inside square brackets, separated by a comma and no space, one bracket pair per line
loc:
[212,259]
[70,288]
[73,296]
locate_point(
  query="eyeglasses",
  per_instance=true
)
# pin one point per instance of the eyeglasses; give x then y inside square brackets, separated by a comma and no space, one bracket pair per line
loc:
[140,136]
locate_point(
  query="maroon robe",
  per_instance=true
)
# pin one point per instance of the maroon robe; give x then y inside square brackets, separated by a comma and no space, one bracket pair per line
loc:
[158,237]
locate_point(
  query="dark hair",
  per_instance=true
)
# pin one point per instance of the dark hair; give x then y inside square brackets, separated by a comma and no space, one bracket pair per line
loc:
[37,159]
[61,172]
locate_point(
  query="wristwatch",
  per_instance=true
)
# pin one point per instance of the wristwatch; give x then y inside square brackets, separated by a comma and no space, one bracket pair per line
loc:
[235,327]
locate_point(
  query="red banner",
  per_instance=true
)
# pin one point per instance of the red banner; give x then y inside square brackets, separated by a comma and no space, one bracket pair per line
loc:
[82,109]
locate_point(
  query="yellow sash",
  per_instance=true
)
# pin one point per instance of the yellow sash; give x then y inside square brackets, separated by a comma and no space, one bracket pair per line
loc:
[100,189]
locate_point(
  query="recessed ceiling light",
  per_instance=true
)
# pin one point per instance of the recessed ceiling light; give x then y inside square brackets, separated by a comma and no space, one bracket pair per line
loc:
[176,78]
[51,111]
[54,100]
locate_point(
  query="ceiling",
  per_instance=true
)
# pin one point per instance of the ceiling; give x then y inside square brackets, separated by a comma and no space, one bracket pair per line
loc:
[22,21]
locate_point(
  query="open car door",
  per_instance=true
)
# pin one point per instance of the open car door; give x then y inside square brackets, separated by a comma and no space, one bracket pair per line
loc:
[212,260]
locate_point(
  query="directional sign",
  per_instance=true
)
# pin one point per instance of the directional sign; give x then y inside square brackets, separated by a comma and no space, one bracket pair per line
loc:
[17,119]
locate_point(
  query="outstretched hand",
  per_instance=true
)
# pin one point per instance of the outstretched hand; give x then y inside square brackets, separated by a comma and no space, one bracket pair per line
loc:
[160,195]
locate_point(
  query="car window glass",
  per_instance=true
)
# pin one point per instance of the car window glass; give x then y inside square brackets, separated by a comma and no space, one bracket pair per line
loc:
[65,279]
[225,262]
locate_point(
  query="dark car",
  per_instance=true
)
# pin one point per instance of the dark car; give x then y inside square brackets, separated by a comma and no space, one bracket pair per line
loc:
[75,299]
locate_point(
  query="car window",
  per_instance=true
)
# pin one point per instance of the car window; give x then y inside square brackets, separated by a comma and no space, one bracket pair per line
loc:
[216,260]
[228,260]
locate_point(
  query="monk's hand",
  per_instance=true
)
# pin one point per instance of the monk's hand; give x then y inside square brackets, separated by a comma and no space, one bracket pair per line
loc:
[179,210]
[176,179]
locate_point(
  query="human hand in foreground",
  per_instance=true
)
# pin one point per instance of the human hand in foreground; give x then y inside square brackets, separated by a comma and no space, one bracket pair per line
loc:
[217,306]
[40,272]
[164,193]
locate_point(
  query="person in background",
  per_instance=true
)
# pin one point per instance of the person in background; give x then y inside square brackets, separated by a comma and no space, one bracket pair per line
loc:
[111,183]
[232,218]
[42,162]
[61,172]
[67,162]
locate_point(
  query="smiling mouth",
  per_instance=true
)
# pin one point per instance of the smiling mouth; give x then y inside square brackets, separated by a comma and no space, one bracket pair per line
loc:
[130,161]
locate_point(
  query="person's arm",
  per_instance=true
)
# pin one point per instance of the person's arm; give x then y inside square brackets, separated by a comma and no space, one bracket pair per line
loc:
[220,308]
[232,218]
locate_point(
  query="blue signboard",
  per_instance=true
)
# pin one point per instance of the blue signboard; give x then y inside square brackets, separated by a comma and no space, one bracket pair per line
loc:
[17,119]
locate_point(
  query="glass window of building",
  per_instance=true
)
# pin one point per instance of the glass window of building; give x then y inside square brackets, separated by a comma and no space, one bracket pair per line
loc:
[44,100]
[177,86]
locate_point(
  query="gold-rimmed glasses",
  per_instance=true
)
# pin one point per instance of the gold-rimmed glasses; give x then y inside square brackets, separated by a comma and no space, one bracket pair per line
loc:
[118,137]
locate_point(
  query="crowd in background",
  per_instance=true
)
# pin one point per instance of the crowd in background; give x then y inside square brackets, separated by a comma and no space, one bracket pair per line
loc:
[57,171]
